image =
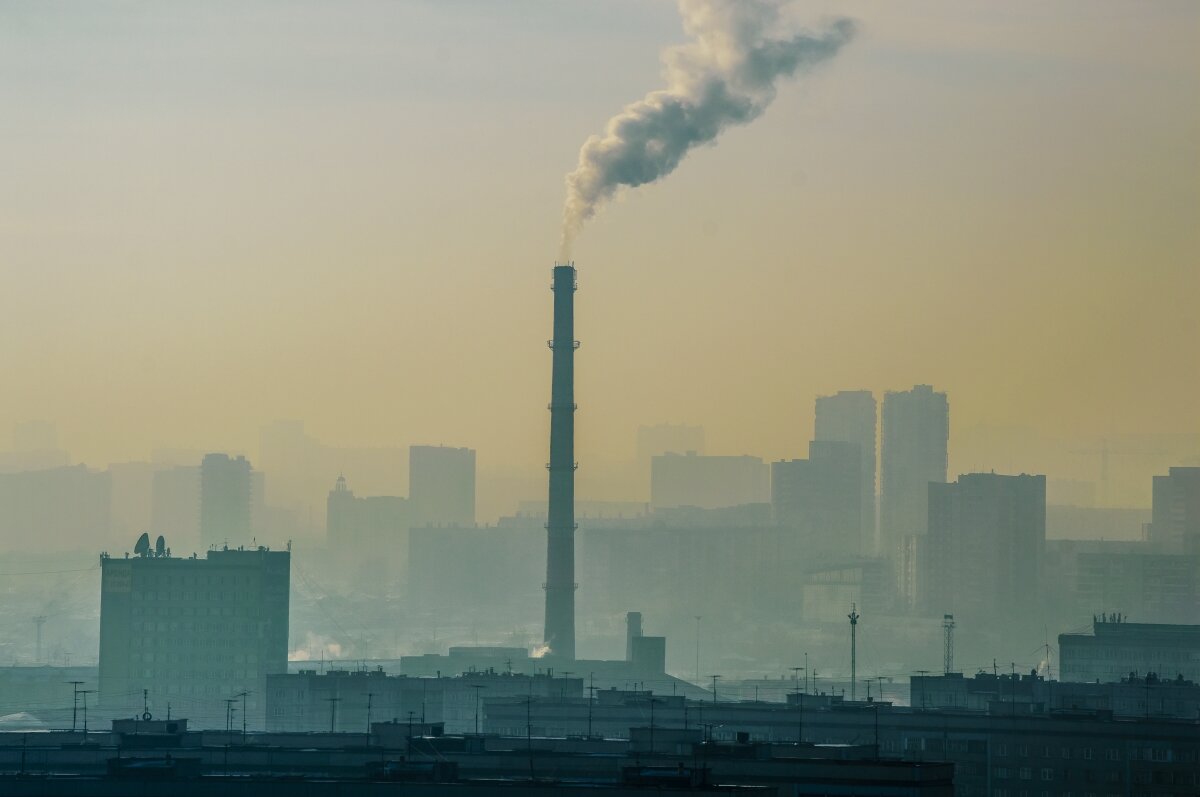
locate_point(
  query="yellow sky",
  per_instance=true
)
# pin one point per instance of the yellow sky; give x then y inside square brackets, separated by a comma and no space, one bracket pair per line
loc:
[211,218]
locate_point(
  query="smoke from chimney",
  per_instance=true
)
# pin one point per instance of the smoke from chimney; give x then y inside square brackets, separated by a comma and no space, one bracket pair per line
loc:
[724,76]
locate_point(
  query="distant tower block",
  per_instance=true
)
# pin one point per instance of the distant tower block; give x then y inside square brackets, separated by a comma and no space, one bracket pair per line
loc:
[948,628]
[560,526]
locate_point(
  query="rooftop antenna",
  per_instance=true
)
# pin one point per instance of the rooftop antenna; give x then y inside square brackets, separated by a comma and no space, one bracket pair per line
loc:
[854,615]
[948,629]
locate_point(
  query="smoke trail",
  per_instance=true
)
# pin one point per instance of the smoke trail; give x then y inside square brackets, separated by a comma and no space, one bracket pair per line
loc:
[724,76]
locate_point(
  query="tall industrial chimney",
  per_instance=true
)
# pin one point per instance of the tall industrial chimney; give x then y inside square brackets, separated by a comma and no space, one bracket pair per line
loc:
[560,526]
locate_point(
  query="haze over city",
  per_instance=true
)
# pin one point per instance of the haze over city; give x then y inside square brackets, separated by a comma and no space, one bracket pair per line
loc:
[872,344]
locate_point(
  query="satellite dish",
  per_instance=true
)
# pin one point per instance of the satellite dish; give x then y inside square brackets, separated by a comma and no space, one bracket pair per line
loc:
[160,546]
[143,545]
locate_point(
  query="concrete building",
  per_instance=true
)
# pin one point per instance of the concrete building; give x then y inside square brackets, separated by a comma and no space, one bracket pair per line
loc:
[914,450]
[850,416]
[820,499]
[346,701]
[1115,649]
[225,499]
[175,505]
[708,482]
[985,546]
[1132,696]
[193,632]
[56,509]
[367,536]
[1175,521]
[441,485]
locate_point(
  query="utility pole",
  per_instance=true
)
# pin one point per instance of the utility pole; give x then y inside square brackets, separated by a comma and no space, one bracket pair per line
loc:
[369,696]
[854,615]
[592,697]
[39,621]
[476,687]
[714,680]
[75,707]
[697,649]
[243,697]
[229,701]
[948,658]
[652,702]
[800,699]
[333,701]
[85,693]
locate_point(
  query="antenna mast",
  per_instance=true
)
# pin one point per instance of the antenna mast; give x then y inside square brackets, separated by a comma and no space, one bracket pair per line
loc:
[948,628]
[854,615]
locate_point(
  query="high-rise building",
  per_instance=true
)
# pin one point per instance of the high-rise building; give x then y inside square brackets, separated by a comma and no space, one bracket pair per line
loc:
[708,482]
[820,499]
[225,499]
[175,504]
[983,554]
[56,509]
[916,433]
[1175,521]
[441,485]
[367,534]
[849,416]
[193,632]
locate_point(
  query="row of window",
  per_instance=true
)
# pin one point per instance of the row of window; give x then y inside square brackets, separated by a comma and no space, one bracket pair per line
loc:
[1084,753]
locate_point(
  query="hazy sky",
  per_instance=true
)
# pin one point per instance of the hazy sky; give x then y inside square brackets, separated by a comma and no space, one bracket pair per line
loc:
[216,214]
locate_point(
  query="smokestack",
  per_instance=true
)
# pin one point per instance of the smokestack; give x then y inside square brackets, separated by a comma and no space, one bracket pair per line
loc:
[633,630]
[560,526]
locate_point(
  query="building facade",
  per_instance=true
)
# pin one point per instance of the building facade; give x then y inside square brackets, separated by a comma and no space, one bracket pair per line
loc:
[985,546]
[820,498]
[1175,521]
[850,416]
[193,632]
[914,450]
[1115,649]
[225,499]
[707,482]
[441,485]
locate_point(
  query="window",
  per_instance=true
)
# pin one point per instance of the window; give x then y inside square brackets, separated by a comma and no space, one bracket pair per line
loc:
[1047,773]
[1026,773]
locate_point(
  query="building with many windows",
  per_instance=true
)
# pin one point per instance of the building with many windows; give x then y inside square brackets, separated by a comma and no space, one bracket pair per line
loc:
[192,632]
[1115,649]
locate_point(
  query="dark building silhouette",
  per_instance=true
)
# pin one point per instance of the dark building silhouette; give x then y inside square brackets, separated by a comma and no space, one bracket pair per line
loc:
[708,482]
[820,498]
[1114,649]
[225,499]
[367,536]
[560,521]
[986,544]
[1175,524]
[849,416]
[915,439]
[194,632]
[441,485]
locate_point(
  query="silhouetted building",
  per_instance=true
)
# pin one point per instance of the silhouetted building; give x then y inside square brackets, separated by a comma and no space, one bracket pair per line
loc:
[1134,696]
[441,485]
[986,544]
[341,700]
[175,505]
[56,509]
[708,482]
[225,496]
[1175,525]
[1115,649]
[194,632]
[820,499]
[849,416]
[368,535]
[915,439]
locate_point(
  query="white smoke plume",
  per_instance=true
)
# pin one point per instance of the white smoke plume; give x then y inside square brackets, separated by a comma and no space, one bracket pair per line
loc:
[725,75]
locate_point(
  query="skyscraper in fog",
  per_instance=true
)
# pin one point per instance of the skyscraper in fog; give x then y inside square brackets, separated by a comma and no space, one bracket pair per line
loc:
[819,498]
[916,434]
[849,416]
[441,485]
[225,497]
[1175,520]
[708,482]
[985,545]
